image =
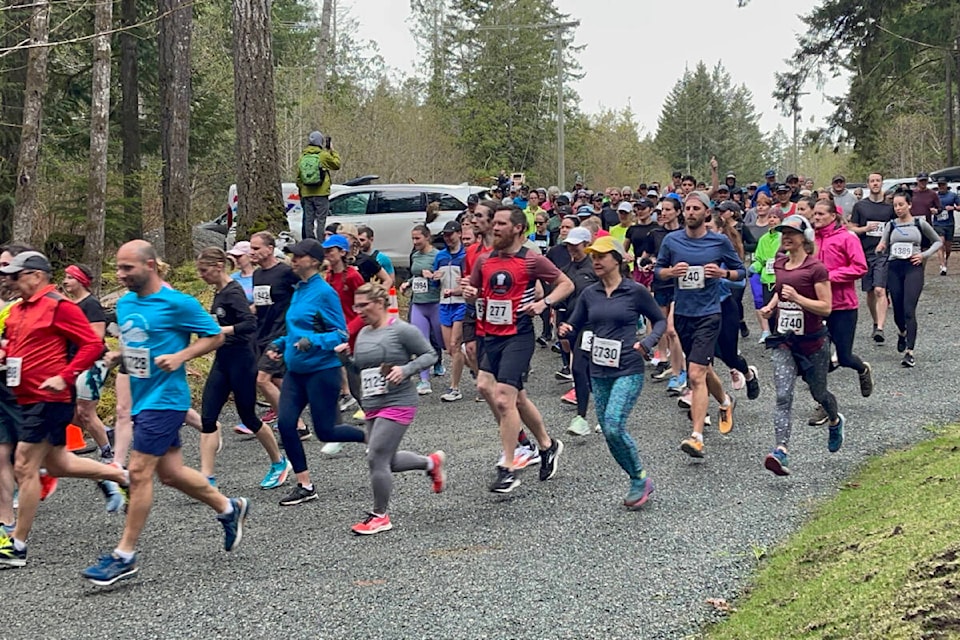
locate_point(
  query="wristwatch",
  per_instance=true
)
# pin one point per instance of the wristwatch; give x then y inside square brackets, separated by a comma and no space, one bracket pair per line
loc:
[547,301]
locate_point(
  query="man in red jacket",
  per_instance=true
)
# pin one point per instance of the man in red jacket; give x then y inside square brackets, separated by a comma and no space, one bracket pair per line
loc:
[34,349]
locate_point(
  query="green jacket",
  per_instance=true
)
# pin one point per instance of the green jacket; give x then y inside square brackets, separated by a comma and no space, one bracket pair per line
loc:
[330,161]
[767,248]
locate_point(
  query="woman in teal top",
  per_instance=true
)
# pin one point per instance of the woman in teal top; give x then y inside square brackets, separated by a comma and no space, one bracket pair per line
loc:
[425,303]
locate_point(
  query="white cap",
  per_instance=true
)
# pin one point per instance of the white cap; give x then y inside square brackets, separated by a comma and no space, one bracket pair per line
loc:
[578,235]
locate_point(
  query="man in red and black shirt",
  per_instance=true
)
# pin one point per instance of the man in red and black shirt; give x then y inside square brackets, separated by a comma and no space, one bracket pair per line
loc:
[503,284]
[35,340]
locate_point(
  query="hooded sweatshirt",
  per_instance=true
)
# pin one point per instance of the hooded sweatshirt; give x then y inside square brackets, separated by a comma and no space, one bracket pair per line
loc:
[842,254]
[768,245]
[314,314]
[329,161]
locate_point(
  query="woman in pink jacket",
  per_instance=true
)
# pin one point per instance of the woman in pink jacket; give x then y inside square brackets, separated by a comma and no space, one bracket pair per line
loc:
[841,252]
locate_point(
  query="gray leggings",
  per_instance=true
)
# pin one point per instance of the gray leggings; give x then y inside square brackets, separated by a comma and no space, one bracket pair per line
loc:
[785,379]
[383,440]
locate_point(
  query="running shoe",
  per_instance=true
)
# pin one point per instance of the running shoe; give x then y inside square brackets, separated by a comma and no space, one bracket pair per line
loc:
[819,417]
[242,430]
[550,460]
[693,447]
[563,374]
[506,481]
[298,495]
[597,428]
[878,335]
[359,415]
[763,337]
[439,369]
[9,555]
[579,427]
[423,388]
[233,523]
[277,475]
[7,529]
[570,397]
[332,448]
[753,385]
[835,437]
[347,402]
[776,462]
[726,416]
[943,270]
[639,493]
[908,360]
[109,569]
[452,395]
[744,330]
[677,384]
[525,456]
[269,416]
[707,422]
[213,481]
[48,485]
[737,380]
[685,401]
[372,524]
[543,342]
[438,475]
[112,494]
[303,433]
[866,380]
[556,348]
[901,342]
[662,372]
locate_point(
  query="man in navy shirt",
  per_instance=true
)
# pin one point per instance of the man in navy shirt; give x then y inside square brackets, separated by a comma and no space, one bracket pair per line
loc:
[943,222]
[697,260]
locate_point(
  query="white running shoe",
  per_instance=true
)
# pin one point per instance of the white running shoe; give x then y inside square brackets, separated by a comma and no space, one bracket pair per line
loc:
[332,448]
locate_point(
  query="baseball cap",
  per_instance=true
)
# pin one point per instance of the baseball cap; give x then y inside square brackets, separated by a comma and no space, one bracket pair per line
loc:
[335,241]
[644,203]
[723,187]
[752,185]
[585,211]
[452,227]
[770,173]
[311,247]
[795,222]
[653,193]
[942,180]
[606,244]
[28,261]
[838,178]
[783,187]
[473,198]
[732,175]
[923,176]
[624,207]
[729,205]
[791,176]
[242,248]
[578,235]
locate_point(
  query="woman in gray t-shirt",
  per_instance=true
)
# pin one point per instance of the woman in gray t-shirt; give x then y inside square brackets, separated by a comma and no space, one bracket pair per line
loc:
[388,351]
[425,295]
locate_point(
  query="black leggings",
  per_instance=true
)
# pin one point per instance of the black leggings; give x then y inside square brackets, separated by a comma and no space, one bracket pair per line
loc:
[581,375]
[728,340]
[905,283]
[737,293]
[843,327]
[234,369]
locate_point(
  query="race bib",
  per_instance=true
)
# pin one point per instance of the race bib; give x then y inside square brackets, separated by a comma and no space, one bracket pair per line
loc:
[14,367]
[420,285]
[606,353]
[136,360]
[943,216]
[372,382]
[768,266]
[499,312]
[790,320]
[693,278]
[876,233]
[261,296]
[586,340]
[902,250]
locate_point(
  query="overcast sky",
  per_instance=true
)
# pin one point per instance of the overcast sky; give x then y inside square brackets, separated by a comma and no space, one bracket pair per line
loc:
[640,43]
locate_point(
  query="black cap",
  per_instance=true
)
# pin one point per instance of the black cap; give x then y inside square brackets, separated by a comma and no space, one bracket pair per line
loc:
[723,187]
[838,178]
[473,199]
[644,203]
[27,261]
[923,175]
[452,227]
[729,205]
[783,187]
[307,247]
[792,176]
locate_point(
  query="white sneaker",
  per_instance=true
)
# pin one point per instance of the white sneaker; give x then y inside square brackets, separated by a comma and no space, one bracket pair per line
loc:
[332,448]
[738,380]
[423,388]
[452,395]
[598,428]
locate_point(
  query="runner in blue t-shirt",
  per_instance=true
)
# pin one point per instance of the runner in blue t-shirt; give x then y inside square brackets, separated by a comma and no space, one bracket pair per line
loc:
[943,222]
[156,324]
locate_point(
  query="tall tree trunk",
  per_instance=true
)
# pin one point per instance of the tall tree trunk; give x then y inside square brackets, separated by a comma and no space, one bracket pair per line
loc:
[323,47]
[99,137]
[259,200]
[26,195]
[130,118]
[174,48]
[13,69]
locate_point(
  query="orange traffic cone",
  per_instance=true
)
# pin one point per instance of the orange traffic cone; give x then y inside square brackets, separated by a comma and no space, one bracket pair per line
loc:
[393,311]
[75,439]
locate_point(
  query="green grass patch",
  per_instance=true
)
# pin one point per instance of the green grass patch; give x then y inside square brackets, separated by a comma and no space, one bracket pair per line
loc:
[880,560]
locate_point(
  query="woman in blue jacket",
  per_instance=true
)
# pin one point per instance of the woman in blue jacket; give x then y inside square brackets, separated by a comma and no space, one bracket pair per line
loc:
[315,325]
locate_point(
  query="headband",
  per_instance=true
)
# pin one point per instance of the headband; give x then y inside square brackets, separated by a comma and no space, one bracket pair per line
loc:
[77,274]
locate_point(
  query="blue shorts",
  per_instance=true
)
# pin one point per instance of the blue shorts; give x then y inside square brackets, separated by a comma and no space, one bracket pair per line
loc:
[450,313]
[663,296]
[157,431]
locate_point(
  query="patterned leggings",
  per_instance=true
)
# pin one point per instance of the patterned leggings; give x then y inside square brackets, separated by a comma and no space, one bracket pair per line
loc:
[615,399]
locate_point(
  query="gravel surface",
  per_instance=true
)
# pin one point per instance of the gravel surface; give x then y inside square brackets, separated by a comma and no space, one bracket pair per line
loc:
[560,559]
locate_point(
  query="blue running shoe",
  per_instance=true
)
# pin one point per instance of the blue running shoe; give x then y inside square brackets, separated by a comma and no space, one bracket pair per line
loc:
[114,497]
[835,440]
[233,523]
[439,369]
[277,474]
[640,491]
[677,384]
[776,462]
[109,569]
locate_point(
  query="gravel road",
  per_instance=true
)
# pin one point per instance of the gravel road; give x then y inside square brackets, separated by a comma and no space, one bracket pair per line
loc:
[561,559]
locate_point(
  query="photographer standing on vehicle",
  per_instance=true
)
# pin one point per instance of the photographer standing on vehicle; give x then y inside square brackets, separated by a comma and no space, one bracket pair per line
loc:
[313,181]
